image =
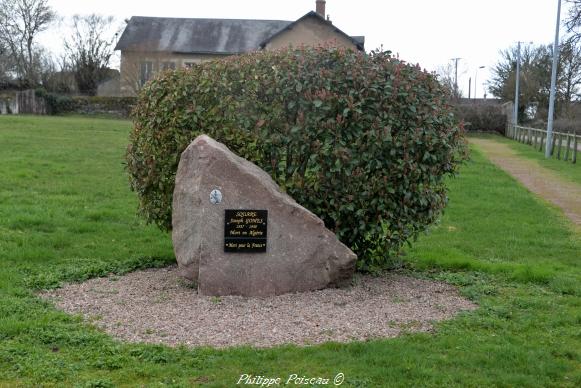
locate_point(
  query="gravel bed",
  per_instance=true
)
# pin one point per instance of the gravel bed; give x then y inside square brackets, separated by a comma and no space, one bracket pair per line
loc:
[157,306]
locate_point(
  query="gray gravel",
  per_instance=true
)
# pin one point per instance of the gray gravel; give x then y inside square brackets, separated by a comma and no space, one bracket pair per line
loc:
[157,306]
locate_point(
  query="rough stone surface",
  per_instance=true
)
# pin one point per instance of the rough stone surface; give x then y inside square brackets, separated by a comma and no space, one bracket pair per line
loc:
[301,253]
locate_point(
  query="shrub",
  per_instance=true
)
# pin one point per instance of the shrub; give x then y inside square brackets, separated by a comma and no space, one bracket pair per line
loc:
[56,104]
[564,125]
[363,141]
[482,117]
[59,104]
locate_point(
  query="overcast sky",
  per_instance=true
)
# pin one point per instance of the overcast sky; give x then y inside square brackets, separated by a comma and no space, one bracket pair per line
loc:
[427,32]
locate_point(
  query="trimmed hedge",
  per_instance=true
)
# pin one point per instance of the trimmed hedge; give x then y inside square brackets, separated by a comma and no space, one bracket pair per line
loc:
[482,117]
[60,104]
[363,141]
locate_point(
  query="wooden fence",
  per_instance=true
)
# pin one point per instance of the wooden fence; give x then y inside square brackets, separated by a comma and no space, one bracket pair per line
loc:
[22,102]
[564,145]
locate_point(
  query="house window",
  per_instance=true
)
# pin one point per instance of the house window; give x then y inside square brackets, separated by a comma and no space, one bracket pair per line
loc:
[168,66]
[145,72]
[189,65]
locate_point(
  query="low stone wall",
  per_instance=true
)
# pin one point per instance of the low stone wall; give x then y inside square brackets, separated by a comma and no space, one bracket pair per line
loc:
[111,106]
[41,103]
[88,105]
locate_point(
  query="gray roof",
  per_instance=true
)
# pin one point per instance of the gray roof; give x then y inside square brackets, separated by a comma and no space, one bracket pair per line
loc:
[197,36]
[359,43]
[360,39]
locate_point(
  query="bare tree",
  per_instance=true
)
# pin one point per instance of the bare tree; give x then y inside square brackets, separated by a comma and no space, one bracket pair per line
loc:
[446,76]
[20,23]
[535,70]
[6,64]
[573,20]
[56,75]
[569,70]
[535,81]
[89,50]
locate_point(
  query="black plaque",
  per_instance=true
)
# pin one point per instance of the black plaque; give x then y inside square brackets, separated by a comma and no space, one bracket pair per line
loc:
[245,230]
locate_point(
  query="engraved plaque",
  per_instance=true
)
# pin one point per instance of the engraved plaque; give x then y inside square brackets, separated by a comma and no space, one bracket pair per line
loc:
[245,230]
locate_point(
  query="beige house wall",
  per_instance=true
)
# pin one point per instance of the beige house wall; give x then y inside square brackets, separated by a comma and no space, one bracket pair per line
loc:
[310,32]
[131,66]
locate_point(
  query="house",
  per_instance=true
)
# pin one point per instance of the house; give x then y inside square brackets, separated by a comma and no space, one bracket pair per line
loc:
[152,44]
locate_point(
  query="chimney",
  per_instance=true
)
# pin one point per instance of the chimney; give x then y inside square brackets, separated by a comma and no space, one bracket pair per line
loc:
[321,7]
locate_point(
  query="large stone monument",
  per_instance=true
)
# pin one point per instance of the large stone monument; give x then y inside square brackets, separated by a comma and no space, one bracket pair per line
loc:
[236,233]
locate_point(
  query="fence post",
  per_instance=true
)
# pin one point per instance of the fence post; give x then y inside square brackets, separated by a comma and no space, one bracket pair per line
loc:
[543,134]
[529,140]
[574,149]
[552,143]
[568,147]
[535,140]
[560,146]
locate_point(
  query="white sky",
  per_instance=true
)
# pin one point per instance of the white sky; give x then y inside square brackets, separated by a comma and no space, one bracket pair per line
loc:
[428,32]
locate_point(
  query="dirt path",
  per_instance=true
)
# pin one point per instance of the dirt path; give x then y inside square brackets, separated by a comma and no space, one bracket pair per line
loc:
[539,180]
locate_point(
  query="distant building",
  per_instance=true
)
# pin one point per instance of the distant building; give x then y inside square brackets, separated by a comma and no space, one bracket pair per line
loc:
[152,44]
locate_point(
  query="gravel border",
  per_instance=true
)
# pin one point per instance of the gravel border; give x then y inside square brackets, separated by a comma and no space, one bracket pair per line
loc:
[157,306]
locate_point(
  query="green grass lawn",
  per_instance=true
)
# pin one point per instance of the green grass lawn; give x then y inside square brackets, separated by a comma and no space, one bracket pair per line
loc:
[567,170]
[66,213]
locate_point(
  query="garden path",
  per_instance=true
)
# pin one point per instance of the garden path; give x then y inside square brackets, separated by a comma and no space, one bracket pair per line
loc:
[539,180]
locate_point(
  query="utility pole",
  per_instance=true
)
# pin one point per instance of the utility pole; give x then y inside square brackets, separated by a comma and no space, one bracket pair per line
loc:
[469,86]
[475,78]
[549,147]
[516,91]
[456,75]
